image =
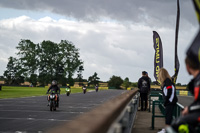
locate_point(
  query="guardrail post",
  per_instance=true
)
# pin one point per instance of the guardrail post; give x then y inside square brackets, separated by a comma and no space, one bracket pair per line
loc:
[153,114]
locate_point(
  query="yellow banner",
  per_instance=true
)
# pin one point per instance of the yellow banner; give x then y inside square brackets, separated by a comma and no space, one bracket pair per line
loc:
[183,93]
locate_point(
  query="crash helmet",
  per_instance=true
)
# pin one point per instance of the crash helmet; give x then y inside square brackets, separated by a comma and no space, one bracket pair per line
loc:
[54,82]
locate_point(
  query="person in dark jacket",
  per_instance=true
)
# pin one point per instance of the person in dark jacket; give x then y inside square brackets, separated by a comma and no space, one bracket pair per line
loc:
[191,114]
[169,95]
[149,89]
[148,77]
[54,88]
[144,87]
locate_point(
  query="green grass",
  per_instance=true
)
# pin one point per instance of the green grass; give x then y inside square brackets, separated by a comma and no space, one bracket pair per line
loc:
[16,92]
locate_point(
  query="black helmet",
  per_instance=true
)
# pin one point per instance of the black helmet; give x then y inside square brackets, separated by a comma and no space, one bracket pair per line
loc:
[193,53]
[54,82]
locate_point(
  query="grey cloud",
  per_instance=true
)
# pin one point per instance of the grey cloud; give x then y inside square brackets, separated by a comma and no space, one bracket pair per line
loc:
[112,48]
[155,13]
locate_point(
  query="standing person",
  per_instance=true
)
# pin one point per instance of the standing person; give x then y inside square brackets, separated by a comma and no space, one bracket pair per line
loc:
[169,95]
[149,87]
[148,77]
[144,86]
[191,114]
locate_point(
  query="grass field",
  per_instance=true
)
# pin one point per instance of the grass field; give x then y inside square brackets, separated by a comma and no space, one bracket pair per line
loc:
[16,92]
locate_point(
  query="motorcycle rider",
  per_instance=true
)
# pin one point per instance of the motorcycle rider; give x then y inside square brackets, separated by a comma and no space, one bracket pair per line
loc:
[54,88]
[84,88]
[96,87]
[191,114]
[68,86]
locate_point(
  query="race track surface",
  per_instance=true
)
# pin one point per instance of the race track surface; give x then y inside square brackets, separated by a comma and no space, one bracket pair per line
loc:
[185,100]
[31,114]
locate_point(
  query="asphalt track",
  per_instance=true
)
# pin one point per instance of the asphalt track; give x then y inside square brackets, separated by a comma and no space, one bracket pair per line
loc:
[185,100]
[31,114]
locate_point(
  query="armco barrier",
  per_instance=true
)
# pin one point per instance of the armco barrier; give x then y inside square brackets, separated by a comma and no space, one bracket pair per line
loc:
[114,116]
[103,88]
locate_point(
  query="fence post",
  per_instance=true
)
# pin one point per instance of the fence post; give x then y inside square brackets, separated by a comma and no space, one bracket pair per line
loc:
[153,114]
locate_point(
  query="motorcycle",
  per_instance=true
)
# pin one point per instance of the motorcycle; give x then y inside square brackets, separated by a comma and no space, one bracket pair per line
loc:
[84,90]
[97,88]
[68,91]
[53,103]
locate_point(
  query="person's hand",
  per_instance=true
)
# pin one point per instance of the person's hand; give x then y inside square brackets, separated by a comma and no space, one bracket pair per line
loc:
[185,111]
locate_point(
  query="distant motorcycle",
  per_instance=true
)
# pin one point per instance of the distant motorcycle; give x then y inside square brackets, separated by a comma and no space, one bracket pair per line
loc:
[68,91]
[96,88]
[53,100]
[84,89]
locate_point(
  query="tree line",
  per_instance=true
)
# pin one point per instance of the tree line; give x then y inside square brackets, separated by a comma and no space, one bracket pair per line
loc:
[46,61]
[43,62]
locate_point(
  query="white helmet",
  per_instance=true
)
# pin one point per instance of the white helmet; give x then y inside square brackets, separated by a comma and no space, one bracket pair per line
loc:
[54,82]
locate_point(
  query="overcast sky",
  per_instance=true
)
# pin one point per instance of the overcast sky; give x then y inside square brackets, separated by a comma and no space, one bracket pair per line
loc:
[114,36]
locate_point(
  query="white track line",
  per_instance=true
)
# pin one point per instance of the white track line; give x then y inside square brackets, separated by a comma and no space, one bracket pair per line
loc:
[37,111]
[32,119]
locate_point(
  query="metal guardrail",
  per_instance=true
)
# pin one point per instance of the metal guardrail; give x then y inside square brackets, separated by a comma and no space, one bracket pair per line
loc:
[159,102]
[156,102]
[115,116]
[125,121]
[178,109]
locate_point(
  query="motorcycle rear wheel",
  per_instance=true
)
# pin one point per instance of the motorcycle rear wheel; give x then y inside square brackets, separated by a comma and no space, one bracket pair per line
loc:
[51,105]
[54,105]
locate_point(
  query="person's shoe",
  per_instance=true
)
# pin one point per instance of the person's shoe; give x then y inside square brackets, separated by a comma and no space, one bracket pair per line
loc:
[48,104]
[162,131]
[170,129]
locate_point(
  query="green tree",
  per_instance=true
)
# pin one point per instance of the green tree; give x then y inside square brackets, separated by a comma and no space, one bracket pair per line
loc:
[79,75]
[28,60]
[44,62]
[178,84]
[134,84]
[2,78]
[47,52]
[94,79]
[69,57]
[14,73]
[126,83]
[115,81]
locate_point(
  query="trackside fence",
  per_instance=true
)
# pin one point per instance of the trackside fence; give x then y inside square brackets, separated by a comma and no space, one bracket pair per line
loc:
[160,103]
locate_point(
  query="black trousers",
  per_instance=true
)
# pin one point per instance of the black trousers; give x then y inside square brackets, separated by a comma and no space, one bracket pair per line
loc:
[169,109]
[143,97]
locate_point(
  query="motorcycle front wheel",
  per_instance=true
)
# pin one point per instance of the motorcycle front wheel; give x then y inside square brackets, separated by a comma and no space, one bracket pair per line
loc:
[54,105]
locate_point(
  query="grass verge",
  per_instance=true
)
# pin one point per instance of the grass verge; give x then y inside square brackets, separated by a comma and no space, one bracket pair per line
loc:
[16,92]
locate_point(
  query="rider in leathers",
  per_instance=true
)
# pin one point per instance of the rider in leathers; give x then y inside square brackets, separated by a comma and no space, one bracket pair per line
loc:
[191,114]
[54,87]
